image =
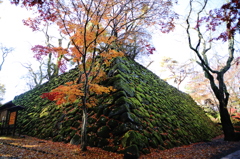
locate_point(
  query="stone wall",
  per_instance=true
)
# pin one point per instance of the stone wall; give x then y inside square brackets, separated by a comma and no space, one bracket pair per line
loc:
[144,112]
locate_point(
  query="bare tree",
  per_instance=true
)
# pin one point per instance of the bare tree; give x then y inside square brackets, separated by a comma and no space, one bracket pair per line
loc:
[4,53]
[201,48]
[34,78]
[178,72]
[50,65]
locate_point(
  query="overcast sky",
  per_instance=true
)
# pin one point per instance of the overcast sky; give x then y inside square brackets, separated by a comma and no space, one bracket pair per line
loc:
[14,34]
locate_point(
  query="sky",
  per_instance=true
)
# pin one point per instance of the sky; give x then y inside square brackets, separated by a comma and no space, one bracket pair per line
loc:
[14,34]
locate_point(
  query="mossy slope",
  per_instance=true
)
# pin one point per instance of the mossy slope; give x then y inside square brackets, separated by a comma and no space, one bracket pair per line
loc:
[144,112]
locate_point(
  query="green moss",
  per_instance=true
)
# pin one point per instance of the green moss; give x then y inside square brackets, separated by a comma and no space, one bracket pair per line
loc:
[153,143]
[123,100]
[135,103]
[76,124]
[57,138]
[106,111]
[143,111]
[123,68]
[119,110]
[133,137]
[73,111]
[130,117]
[139,89]
[44,112]
[121,85]
[139,98]
[119,94]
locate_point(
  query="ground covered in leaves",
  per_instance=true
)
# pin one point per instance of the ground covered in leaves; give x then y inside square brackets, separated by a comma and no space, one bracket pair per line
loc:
[30,147]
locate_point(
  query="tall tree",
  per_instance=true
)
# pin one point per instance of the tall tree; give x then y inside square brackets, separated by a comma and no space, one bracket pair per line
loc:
[201,91]
[229,16]
[96,29]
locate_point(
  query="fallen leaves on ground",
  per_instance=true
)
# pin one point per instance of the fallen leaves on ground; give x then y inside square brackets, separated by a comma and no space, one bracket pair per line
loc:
[30,147]
[214,149]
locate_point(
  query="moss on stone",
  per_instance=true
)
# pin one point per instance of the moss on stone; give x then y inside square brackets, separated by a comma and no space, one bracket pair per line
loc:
[119,94]
[122,100]
[139,89]
[130,117]
[133,137]
[143,112]
[135,103]
[138,96]
[120,85]
[119,110]
[44,112]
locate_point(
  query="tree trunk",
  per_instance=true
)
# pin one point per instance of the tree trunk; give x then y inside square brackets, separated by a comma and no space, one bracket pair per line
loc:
[84,130]
[227,126]
[223,97]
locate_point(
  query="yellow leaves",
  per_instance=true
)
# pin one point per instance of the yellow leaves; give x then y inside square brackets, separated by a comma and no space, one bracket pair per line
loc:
[110,55]
[60,51]
[89,35]
[99,89]
[145,8]
[92,102]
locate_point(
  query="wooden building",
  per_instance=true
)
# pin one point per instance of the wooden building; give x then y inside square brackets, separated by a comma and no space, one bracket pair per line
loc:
[8,118]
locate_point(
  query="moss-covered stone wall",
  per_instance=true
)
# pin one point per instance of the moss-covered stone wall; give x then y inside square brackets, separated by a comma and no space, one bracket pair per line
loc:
[144,112]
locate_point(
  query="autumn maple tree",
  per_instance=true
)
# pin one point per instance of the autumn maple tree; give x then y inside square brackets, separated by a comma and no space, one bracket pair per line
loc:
[226,17]
[99,30]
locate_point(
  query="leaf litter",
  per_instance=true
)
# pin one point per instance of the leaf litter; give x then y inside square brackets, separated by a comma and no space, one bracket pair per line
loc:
[30,147]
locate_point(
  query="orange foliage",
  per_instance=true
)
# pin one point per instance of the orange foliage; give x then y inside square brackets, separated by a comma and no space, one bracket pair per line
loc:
[72,92]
